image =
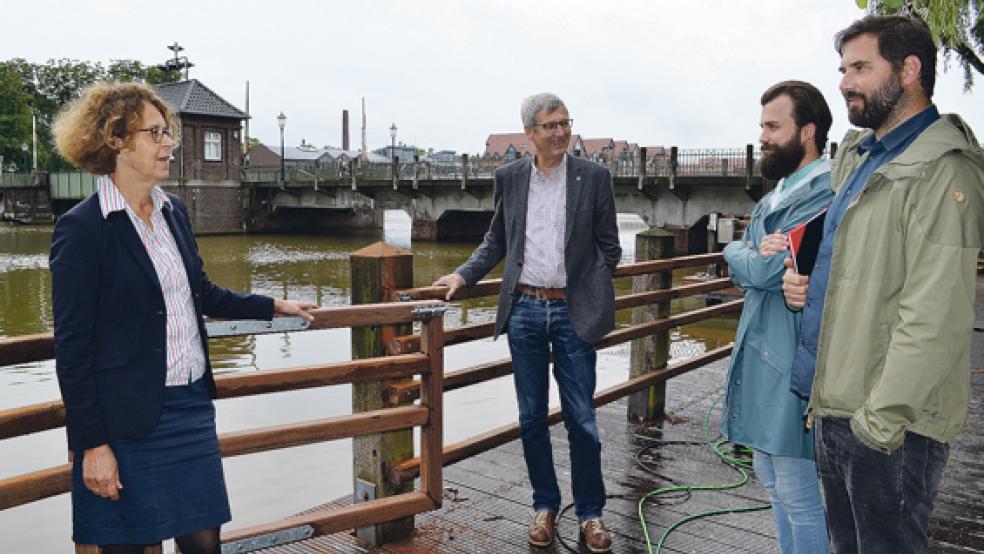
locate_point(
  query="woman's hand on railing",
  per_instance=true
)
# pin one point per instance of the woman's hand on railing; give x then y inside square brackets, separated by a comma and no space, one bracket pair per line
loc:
[453,281]
[292,307]
[100,472]
[794,286]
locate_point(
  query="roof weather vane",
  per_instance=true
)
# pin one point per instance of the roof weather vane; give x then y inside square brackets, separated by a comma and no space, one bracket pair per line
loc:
[177,63]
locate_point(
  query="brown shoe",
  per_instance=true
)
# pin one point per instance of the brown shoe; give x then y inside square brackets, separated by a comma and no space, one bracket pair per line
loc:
[595,536]
[541,531]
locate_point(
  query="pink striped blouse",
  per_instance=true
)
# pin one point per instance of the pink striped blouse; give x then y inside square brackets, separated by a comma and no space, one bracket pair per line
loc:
[185,358]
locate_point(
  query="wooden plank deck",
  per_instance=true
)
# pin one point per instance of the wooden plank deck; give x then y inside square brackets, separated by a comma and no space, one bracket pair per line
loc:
[487,497]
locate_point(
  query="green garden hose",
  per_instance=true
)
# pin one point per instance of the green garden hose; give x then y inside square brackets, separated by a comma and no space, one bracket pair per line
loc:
[726,455]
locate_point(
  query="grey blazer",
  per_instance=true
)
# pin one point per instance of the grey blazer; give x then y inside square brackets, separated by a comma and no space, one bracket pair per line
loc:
[591,249]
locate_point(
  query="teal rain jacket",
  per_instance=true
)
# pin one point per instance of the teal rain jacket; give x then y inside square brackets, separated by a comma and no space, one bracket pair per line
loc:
[760,411]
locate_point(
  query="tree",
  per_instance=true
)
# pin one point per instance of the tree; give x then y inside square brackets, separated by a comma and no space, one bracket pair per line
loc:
[133,70]
[15,114]
[43,89]
[957,26]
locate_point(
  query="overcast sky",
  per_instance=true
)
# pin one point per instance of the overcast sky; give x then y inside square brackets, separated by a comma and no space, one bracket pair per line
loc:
[448,73]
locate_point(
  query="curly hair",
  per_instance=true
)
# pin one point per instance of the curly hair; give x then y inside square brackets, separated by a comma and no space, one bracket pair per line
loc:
[85,129]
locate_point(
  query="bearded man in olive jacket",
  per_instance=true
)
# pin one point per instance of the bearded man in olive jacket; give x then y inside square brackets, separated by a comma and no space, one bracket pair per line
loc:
[888,309]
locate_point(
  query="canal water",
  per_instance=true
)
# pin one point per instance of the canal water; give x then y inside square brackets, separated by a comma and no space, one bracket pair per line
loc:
[314,268]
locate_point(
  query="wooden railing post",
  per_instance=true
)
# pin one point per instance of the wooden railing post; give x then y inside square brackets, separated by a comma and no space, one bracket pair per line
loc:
[377,270]
[650,353]
[432,396]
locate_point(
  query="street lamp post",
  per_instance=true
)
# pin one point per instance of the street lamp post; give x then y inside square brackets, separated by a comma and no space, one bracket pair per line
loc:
[393,141]
[395,169]
[282,121]
[34,128]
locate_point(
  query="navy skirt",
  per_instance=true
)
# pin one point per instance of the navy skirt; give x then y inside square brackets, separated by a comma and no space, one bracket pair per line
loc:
[172,480]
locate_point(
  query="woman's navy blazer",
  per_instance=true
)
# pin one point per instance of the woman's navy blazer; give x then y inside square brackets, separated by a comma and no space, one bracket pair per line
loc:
[110,323]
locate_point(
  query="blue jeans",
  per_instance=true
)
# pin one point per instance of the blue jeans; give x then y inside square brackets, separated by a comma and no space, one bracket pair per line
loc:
[877,503]
[794,490]
[536,327]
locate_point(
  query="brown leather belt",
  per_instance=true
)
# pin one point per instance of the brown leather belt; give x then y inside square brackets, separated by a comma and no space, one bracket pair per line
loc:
[542,293]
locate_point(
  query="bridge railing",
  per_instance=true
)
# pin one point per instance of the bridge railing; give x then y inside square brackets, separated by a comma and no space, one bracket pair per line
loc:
[726,162]
[427,414]
[408,355]
[687,162]
[16,180]
[71,185]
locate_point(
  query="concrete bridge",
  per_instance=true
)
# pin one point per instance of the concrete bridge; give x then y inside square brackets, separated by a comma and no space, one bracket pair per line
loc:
[455,202]
[676,190]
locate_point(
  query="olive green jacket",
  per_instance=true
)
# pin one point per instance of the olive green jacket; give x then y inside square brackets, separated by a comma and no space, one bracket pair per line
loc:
[894,350]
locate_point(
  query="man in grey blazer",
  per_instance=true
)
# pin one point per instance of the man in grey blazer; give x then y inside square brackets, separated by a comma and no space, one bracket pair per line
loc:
[555,226]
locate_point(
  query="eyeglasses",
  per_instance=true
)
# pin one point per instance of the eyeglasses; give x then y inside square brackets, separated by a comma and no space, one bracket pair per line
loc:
[552,126]
[157,133]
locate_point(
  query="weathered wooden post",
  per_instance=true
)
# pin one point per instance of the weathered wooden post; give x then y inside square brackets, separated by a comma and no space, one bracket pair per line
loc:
[377,270]
[651,352]
[642,166]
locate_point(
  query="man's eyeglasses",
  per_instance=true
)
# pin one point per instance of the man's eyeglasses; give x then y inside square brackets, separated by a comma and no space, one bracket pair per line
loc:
[157,133]
[552,126]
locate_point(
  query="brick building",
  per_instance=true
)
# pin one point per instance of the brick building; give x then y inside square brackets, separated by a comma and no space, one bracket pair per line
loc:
[205,172]
[211,129]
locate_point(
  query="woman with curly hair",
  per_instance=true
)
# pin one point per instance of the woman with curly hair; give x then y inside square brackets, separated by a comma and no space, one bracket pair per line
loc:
[129,294]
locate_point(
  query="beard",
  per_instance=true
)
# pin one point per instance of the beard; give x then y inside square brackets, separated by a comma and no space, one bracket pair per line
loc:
[780,160]
[878,106]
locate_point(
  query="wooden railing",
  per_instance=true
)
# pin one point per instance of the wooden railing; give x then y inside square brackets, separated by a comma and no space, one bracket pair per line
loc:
[408,355]
[428,364]
[400,393]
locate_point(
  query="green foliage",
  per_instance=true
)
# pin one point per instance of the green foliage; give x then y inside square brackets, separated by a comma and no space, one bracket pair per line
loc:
[957,26]
[58,82]
[15,113]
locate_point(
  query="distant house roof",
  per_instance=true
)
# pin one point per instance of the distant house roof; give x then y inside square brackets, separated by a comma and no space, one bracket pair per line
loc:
[498,144]
[192,97]
[268,155]
[594,146]
[375,158]
[298,154]
[336,153]
[261,155]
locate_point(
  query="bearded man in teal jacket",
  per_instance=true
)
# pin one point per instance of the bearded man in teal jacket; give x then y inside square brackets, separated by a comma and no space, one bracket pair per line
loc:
[760,411]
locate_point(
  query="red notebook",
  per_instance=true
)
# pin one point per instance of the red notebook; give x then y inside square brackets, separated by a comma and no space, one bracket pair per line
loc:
[804,242]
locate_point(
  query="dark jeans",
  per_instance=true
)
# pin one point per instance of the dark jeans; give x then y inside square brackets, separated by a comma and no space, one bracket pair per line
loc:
[534,328]
[876,502]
